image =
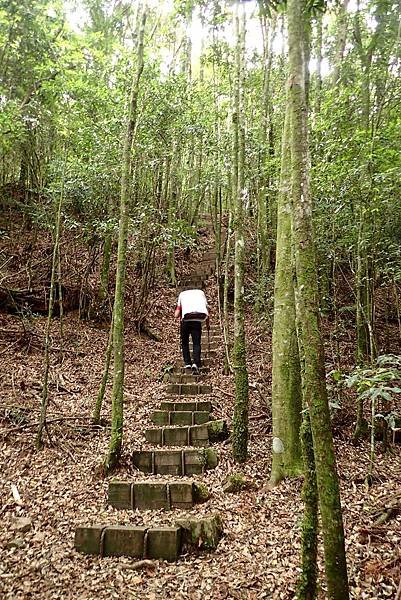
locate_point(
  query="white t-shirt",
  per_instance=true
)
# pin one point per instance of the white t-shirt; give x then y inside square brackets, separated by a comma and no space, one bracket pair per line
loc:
[192,301]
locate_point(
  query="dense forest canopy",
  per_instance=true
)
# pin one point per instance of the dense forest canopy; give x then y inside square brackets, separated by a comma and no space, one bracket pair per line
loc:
[65,70]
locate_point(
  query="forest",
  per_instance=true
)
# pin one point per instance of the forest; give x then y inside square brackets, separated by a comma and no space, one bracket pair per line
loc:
[247,152]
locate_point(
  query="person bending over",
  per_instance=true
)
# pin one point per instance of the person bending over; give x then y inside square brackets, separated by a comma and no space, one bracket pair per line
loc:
[192,309]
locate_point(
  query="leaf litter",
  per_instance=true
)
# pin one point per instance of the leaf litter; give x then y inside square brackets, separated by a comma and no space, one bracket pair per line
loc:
[59,488]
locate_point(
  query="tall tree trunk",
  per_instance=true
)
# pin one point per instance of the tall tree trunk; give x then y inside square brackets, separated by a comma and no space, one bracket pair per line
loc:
[264,196]
[114,450]
[341,40]
[240,420]
[318,79]
[286,374]
[307,311]
[307,587]
[102,389]
[105,268]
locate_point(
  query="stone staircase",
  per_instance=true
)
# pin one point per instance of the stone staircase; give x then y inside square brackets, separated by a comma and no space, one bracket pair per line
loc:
[181,438]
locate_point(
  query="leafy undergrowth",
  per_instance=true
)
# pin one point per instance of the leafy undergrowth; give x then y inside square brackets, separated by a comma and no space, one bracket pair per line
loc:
[60,487]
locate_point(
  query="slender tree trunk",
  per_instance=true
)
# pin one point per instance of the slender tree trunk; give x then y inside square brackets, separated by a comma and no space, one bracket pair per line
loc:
[286,374]
[240,420]
[114,450]
[102,389]
[307,311]
[225,316]
[319,41]
[54,270]
[264,196]
[105,269]
[341,40]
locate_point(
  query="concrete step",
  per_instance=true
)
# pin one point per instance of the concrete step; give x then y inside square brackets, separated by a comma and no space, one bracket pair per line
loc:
[199,436]
[207,361]
[193,435]
[125,540]
[165,543]
[206,270]
[193,277]
[190,406]
[214,345]
[188,389]
[183,371]
[153,495]
[175,462]
[166,417]
[183,378]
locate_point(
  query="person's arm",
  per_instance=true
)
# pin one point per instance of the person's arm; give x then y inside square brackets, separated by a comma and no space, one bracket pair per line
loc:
[207,321]
[178,309]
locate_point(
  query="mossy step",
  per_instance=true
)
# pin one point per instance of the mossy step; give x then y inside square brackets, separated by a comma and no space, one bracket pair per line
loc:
[175,462]
[207,362]
[125,540]
[190,405]
[190,279]
[193,435]
[188,389]
[183,378]
[214,345]
[155,495]
[168,417]
[206,270]
[204,533]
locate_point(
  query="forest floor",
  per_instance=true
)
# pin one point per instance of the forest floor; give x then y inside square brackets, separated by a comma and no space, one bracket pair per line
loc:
[60,486]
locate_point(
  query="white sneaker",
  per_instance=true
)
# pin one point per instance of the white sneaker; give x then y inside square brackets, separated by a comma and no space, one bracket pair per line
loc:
[195,370]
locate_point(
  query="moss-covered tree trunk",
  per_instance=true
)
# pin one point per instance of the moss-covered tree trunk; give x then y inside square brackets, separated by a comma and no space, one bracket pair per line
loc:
[307,310]
[225,316]
[240,421]
[286,375]
[114,450]
[307,586]
[264,196]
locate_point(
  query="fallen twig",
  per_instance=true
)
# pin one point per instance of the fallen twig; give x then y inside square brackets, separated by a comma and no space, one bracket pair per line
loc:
[141,564]
[48,421]
[259,417]
[223,392]
[398,594]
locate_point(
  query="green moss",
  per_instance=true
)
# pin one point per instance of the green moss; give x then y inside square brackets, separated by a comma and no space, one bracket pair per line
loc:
[201,492]
[209,458]
[217,430]
[307,585]
[237,482]
[201,533]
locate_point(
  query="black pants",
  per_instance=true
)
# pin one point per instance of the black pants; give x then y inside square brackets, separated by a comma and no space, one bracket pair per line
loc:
[193,329]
